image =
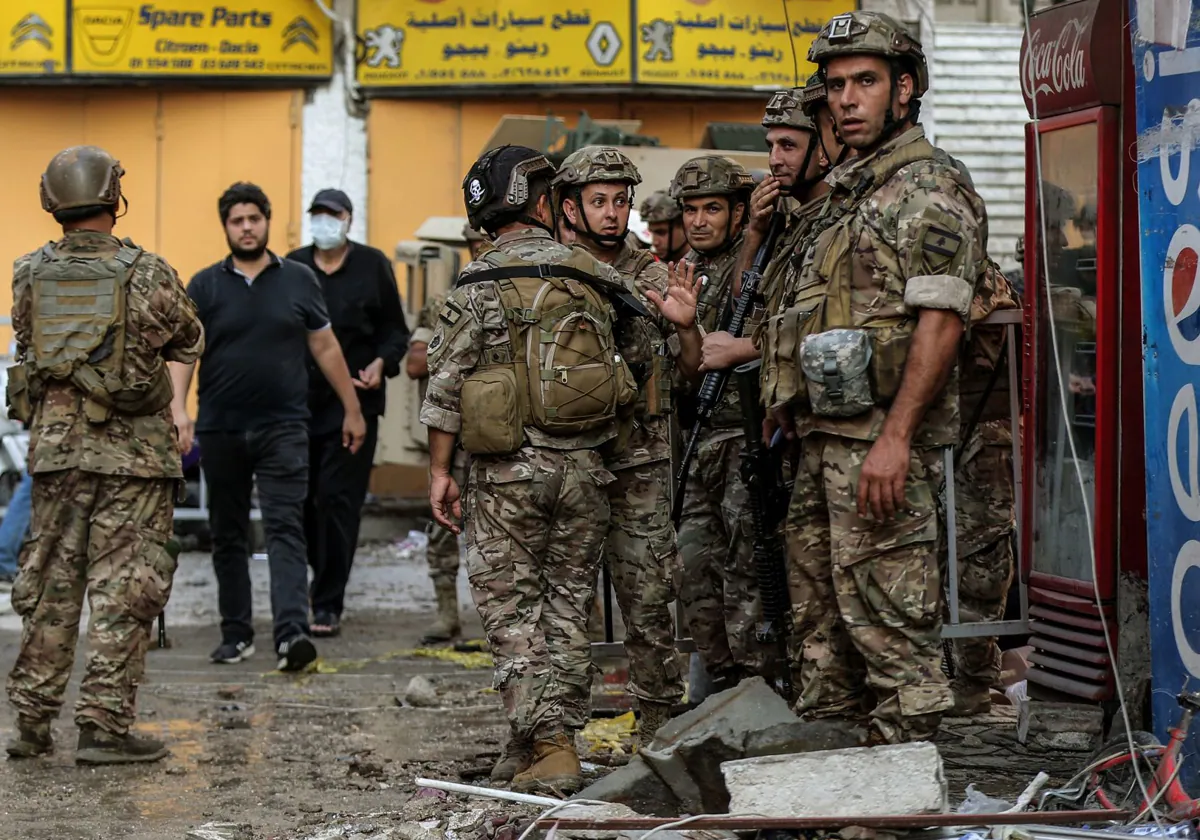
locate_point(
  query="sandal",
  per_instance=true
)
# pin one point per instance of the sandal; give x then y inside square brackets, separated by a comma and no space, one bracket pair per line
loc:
[326,625]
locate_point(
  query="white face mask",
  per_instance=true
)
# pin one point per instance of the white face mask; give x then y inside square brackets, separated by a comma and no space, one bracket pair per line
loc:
[329,232]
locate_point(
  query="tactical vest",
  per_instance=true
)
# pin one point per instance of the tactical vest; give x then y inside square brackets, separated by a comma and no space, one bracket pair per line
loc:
[653,379]
[983,387]
[822,298]
[560,371]
[79,309]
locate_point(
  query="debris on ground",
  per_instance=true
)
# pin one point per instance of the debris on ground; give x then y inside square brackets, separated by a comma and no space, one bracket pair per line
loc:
[421,693]
[609,741]
[680,772]
[886,780]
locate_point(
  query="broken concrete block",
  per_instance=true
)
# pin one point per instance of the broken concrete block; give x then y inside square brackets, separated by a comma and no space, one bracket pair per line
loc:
[859,782]
[420,693]
[801,736]
[637,786]
[1064,726]
[687,751]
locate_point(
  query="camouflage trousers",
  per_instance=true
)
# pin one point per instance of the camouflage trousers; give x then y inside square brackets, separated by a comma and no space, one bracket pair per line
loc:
[644,562]
[442,552]
[535,524]
[866,597]
[985,519]
[103,536]
[719,590]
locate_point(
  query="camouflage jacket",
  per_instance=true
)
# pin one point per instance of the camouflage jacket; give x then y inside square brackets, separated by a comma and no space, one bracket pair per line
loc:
[917,240]
[716,298]
[427,319]
[160,322]
[472,323]
[650,440]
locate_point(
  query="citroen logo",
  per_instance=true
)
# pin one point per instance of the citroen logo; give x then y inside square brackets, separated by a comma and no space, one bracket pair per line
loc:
[31,29]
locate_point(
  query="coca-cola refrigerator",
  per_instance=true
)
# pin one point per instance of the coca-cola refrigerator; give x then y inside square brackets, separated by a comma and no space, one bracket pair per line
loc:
[1083,475]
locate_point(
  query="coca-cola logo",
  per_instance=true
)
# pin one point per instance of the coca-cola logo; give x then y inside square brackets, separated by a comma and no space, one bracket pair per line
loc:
[1056,66]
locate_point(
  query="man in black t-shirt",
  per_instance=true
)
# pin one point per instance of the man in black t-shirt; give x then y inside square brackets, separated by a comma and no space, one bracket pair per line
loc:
[262,316]
[364,305]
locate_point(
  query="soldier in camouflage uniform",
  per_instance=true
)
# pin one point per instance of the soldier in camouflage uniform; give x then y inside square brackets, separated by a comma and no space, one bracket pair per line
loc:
[719,595]
[96,319]
[985,516]
[661,213]
[537,505]
[877,321]
[593,193]
[441,552]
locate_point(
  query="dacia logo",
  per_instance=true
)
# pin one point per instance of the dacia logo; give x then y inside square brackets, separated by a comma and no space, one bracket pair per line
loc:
[31,29]
[300,31]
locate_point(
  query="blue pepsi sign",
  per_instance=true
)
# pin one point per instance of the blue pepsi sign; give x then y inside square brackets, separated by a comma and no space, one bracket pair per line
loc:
[1167,72]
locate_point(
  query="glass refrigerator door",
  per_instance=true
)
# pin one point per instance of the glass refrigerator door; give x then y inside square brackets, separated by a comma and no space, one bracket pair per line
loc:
[1071,419]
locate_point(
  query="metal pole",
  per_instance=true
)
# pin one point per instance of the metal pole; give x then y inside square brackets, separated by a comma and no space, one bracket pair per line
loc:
[951,534]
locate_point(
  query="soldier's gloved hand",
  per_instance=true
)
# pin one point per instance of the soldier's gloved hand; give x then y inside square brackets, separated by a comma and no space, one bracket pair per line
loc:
[678,305]
[444,499]
[881,480]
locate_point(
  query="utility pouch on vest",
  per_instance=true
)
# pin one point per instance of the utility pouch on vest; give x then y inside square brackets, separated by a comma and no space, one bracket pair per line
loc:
[785,336]
[836,365]
[889,352]
[20,403]
[491,416]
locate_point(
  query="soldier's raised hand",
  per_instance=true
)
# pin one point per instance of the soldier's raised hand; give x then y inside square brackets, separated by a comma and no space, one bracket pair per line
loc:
[678,305]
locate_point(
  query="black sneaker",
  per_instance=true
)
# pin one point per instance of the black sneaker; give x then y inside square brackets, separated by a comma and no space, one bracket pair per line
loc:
[231,653]
[296,654]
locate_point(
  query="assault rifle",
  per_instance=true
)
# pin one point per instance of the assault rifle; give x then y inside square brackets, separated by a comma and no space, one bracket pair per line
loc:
[715,380]
[767,501]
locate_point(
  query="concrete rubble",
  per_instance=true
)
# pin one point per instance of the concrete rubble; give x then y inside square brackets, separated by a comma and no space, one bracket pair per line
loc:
[879,781]
[681,770]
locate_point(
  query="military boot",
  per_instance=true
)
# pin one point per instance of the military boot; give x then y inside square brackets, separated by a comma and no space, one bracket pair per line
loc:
[516,758]
[447,626]
[99,747]
[33,739]
[971,697]
[654,715]
[555,768]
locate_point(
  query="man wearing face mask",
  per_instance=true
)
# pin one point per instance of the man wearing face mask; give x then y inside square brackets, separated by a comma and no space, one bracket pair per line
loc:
[263,316]
[364,307]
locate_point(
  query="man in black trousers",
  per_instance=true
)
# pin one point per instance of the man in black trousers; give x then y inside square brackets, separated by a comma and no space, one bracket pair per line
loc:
[360,292]
[263,317]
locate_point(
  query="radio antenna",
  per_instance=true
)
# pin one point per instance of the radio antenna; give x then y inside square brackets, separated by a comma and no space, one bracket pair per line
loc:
[792,43]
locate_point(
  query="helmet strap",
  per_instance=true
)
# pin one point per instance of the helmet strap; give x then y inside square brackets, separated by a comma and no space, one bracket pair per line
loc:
[801,183]
[603,240]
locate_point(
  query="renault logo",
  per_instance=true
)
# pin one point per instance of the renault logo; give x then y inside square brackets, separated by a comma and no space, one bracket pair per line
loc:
[31,29]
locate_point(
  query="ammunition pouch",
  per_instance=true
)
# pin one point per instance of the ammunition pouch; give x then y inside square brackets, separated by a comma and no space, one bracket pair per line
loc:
[492,421]
[17,394]
[836,365]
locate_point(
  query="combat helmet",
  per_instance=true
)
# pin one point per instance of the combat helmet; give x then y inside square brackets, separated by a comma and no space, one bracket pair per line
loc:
[659,207]
[813,94]
[871,33]
[497,187]
[81,176]
[785,110]
[594,165]
[710,175]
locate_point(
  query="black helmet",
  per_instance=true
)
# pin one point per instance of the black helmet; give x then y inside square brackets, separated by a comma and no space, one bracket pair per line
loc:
[496,189]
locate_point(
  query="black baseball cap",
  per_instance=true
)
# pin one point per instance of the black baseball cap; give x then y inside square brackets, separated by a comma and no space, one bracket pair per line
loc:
[335,201]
